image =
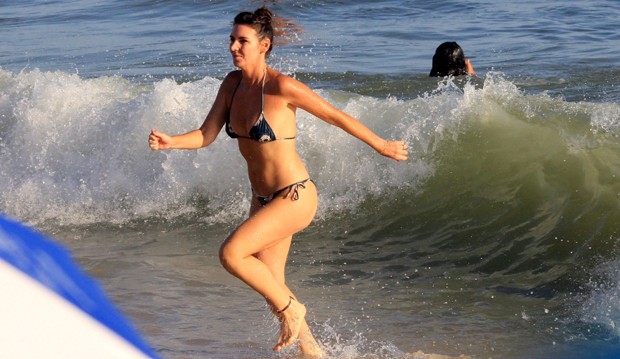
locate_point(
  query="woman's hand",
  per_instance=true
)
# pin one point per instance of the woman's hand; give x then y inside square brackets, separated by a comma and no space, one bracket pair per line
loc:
[159,141]
[394,149]
[469,68]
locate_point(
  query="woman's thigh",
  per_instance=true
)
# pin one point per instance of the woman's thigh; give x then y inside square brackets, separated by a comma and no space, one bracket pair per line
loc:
[274,223]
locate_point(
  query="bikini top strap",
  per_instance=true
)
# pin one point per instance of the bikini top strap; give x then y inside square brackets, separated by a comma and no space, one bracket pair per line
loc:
[262,94]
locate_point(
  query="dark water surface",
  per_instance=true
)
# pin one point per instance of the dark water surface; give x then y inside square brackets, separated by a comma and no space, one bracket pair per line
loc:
[497,239]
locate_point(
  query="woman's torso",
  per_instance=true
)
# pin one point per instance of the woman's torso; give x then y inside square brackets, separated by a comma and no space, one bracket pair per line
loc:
[273,164]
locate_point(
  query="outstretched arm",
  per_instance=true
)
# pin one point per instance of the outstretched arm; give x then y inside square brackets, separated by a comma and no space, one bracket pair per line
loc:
[188,141]
[303,97]
[203,136]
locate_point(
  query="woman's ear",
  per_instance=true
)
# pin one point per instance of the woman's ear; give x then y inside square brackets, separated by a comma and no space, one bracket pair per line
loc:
[265,45]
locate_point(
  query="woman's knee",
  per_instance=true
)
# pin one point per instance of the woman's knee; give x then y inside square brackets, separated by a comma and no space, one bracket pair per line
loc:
[228,257]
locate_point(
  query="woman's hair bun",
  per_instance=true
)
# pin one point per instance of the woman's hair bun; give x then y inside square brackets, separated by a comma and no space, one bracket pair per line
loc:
[261,20]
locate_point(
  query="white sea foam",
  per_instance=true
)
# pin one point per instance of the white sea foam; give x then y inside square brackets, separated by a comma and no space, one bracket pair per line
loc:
[602,307]
[74,151]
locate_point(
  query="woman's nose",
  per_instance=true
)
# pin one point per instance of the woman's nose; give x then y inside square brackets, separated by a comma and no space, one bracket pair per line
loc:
[234,46]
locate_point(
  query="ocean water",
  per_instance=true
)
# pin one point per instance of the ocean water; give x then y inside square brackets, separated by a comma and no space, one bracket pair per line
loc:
[499,238]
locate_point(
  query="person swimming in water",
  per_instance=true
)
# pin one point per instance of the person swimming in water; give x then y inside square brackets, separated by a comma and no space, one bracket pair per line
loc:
[257,106]
[449,60]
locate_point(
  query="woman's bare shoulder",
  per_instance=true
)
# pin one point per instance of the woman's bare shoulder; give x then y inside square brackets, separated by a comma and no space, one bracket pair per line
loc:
[287,85]
[232,77]
[230,82]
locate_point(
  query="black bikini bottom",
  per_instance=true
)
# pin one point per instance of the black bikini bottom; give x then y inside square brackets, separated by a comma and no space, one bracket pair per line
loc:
[293,191]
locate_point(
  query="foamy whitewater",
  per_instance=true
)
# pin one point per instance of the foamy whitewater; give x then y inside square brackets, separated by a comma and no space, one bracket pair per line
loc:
[498,238]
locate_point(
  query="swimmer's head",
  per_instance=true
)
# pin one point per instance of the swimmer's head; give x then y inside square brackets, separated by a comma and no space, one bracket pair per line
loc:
[261,21]
[449,60]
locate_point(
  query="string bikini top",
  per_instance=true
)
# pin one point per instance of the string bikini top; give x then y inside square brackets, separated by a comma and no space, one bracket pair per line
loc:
[260,131]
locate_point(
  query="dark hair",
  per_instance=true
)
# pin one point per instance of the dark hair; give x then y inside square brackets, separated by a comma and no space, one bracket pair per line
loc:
[449,59]
[260,20]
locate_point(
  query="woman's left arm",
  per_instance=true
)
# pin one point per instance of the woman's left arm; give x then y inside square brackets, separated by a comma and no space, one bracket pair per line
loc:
[301,96]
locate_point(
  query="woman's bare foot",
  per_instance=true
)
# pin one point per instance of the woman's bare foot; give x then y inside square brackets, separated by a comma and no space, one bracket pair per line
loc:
[307,344]
[291,318]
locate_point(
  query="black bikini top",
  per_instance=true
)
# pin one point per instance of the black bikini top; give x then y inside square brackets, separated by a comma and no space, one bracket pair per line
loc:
[260,131]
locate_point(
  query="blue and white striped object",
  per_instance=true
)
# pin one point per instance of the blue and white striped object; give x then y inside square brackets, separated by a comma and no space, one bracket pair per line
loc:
[50,308]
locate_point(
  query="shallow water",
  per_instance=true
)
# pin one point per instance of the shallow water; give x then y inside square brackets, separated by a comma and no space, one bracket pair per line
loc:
[497,239]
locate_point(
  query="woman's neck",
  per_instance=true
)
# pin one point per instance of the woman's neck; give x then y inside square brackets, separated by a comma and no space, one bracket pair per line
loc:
[254,75]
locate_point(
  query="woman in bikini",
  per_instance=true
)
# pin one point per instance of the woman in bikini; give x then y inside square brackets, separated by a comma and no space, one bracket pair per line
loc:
[257,106]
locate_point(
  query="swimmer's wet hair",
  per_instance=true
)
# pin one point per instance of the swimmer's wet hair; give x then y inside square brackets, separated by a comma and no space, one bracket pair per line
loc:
[449,60]
[260,20]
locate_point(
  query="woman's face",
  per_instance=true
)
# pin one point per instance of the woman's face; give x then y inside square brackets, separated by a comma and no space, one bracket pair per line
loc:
[245,46]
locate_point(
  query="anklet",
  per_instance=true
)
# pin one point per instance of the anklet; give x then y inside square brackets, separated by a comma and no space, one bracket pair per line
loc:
[290,300]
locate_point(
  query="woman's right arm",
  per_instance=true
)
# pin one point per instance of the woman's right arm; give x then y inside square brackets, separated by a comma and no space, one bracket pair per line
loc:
[469,68]
[203,136]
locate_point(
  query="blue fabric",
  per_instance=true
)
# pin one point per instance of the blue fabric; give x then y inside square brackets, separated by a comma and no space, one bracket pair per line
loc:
[50,264]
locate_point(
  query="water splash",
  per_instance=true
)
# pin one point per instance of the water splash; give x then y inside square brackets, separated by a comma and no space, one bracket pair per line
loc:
[73,150]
